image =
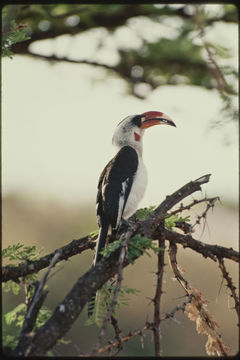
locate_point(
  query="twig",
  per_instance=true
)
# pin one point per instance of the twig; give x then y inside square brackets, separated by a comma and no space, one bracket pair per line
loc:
[158,293]
[193,203]
[30,267]
[55,58]
[207,250]
[210,205]
[122,339]
[171,314]
[230,285]
[139,332]
[117,333]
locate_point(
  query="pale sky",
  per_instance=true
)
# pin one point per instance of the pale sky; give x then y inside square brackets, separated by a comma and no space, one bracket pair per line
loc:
[58,121]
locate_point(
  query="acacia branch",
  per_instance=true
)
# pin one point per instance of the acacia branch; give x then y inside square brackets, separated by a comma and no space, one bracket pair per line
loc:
[207,250]
[117,330]
[230,285]
[139,332]
[78,246]
[26,268]
[182,207]
[122,339]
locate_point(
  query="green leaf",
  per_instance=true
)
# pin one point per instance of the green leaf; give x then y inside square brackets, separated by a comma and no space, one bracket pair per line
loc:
[12,315]
[94,233]
[112,247]
[104,299]
[10,341]
[43,315]
[143,214]
[21,252]
[170,220]
[11,286]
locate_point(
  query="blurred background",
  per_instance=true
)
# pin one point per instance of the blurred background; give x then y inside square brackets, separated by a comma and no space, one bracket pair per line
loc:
[70,73]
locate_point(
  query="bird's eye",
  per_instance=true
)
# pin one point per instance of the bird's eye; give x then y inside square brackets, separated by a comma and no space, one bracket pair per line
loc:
[137,120]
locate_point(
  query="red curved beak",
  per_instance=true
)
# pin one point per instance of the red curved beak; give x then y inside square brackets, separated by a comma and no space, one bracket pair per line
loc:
[152,118]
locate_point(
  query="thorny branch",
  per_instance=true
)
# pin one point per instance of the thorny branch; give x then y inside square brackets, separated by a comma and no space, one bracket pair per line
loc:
[210,205]
[72,305]
[122,339]
[182,207]
[207,250]
[139,332]
[117,330]
[26,268]
[230,285]
[78,246]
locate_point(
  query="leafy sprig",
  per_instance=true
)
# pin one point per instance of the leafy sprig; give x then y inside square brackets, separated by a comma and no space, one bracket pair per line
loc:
[104,299]
[18,33]
[171,220]
[21,252]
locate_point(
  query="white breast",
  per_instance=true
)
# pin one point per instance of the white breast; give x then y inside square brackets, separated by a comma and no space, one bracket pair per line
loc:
[137,190]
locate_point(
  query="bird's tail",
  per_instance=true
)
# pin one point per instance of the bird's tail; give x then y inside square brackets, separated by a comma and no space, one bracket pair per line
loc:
[101,242]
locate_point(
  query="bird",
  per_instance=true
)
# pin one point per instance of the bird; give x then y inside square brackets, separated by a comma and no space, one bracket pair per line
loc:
[123,181]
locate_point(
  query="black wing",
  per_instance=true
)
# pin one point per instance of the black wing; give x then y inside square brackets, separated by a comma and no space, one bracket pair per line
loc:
[114,186]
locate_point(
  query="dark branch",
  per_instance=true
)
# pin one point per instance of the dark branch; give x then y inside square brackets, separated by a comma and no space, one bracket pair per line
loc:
[33,309]
[80,245]
[182,207]
[122,339]
[117,330]
[55,58]
[30,267]
[207,250]
[231,286]
[69,309]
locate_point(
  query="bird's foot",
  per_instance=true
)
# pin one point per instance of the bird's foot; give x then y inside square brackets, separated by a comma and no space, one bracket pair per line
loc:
[126,223]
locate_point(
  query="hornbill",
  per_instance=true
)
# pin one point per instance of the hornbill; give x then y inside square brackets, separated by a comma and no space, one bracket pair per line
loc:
[123,181]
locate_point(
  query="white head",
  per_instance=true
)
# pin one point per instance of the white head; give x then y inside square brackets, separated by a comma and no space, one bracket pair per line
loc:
[130,130]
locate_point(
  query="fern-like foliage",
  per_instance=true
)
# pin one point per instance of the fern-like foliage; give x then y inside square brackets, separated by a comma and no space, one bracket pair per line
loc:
[143,213]
[171,220]
[104,299]
[12,33]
